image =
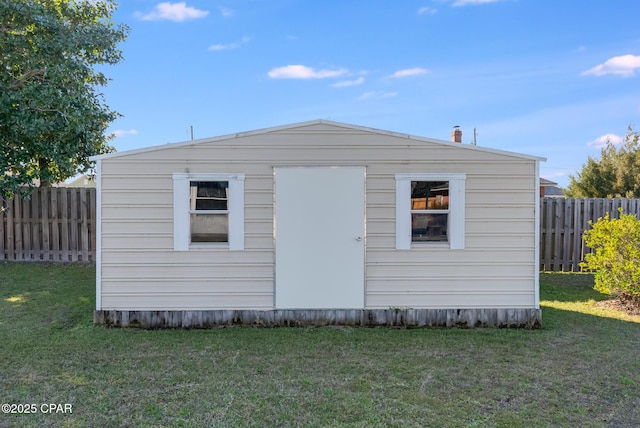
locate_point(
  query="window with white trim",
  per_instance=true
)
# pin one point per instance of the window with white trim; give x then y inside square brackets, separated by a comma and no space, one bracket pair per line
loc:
[430,209]
[208,210]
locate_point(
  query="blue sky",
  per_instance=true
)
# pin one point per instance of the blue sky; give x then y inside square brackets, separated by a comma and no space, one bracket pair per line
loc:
[553,78]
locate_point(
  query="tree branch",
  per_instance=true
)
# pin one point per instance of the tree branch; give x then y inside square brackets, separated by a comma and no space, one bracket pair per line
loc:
[33,74]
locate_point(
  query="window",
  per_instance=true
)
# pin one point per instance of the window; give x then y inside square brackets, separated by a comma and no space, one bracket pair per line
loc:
[208,209]
[430,209]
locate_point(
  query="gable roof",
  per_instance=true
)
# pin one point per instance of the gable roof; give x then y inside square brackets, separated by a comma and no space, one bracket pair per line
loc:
[292,126]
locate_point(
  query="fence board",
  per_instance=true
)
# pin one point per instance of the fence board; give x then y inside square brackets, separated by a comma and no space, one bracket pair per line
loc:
[55,224]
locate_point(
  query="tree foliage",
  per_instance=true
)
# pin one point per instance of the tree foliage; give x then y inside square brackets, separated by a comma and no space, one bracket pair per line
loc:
[615,175]
[52,113]
[616,256]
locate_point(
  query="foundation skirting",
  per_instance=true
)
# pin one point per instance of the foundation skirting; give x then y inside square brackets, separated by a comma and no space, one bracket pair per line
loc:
[408,318]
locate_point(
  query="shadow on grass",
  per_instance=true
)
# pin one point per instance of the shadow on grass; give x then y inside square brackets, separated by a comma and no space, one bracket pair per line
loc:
[569,287]
[38,296]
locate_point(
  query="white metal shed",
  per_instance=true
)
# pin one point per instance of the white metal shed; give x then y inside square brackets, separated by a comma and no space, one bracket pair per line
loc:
[317,223]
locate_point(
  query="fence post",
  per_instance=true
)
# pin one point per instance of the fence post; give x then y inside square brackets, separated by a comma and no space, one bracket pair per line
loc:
[557,247]
[36,234]
[577,235]
[64,219]
[548,231]
[2,229]
[84,229]
[73,224]
[568,229]
[93,218]
[45,223]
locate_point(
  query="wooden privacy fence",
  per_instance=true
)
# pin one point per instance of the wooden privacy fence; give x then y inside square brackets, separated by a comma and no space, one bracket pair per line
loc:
[55,224]
[562,223]
[59,224]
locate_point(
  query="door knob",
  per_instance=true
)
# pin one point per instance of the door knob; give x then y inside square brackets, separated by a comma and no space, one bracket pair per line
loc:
[359,238]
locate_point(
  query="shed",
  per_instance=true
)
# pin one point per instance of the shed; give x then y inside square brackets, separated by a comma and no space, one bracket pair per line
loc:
[317,223]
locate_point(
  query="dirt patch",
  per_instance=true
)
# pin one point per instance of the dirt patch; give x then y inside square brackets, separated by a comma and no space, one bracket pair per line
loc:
[624,303]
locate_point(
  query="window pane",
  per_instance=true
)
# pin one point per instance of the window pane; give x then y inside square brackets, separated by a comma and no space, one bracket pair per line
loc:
[209,195]
[209,228]
[432,195]
[429,227]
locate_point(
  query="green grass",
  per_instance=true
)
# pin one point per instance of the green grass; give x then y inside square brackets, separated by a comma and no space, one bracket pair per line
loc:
[581,369]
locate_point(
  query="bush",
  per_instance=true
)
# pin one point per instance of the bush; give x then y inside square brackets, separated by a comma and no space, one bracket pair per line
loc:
[616,256]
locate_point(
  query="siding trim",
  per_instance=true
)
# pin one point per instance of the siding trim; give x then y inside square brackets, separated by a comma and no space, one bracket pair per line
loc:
[181,212]
[536,227]
[337,125]
[98,234]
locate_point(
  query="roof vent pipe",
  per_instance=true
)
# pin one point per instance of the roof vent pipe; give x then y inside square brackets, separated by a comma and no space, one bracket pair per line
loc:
[456,134]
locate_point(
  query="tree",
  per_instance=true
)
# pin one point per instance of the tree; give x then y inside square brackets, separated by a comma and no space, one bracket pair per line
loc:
[615,175]
[52,113]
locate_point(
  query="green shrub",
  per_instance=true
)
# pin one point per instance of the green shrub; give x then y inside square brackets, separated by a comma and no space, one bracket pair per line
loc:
[616,256]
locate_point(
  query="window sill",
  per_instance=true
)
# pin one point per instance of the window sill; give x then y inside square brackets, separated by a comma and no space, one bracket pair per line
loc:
[200,246]
[430,245]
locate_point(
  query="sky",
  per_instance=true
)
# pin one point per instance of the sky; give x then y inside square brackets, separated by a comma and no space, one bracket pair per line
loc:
[550,78]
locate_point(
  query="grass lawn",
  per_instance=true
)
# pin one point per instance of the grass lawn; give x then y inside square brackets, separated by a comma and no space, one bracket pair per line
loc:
[582,369]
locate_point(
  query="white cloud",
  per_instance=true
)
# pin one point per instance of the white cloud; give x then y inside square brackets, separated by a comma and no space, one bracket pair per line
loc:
[233,45]
[366,96]
[226,12]
[344,83]
[123,132]
[467,2]
[375,94]
[625,66]
[601,142]
[303,72]
[427,10]
[408,72]
[177,12]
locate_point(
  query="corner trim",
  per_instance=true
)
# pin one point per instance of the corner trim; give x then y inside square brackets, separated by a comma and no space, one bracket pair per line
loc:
[98,234]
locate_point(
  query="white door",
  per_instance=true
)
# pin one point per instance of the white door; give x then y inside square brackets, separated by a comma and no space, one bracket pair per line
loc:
[319,238]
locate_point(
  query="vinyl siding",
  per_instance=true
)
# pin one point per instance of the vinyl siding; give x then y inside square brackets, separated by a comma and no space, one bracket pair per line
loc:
[141,271]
